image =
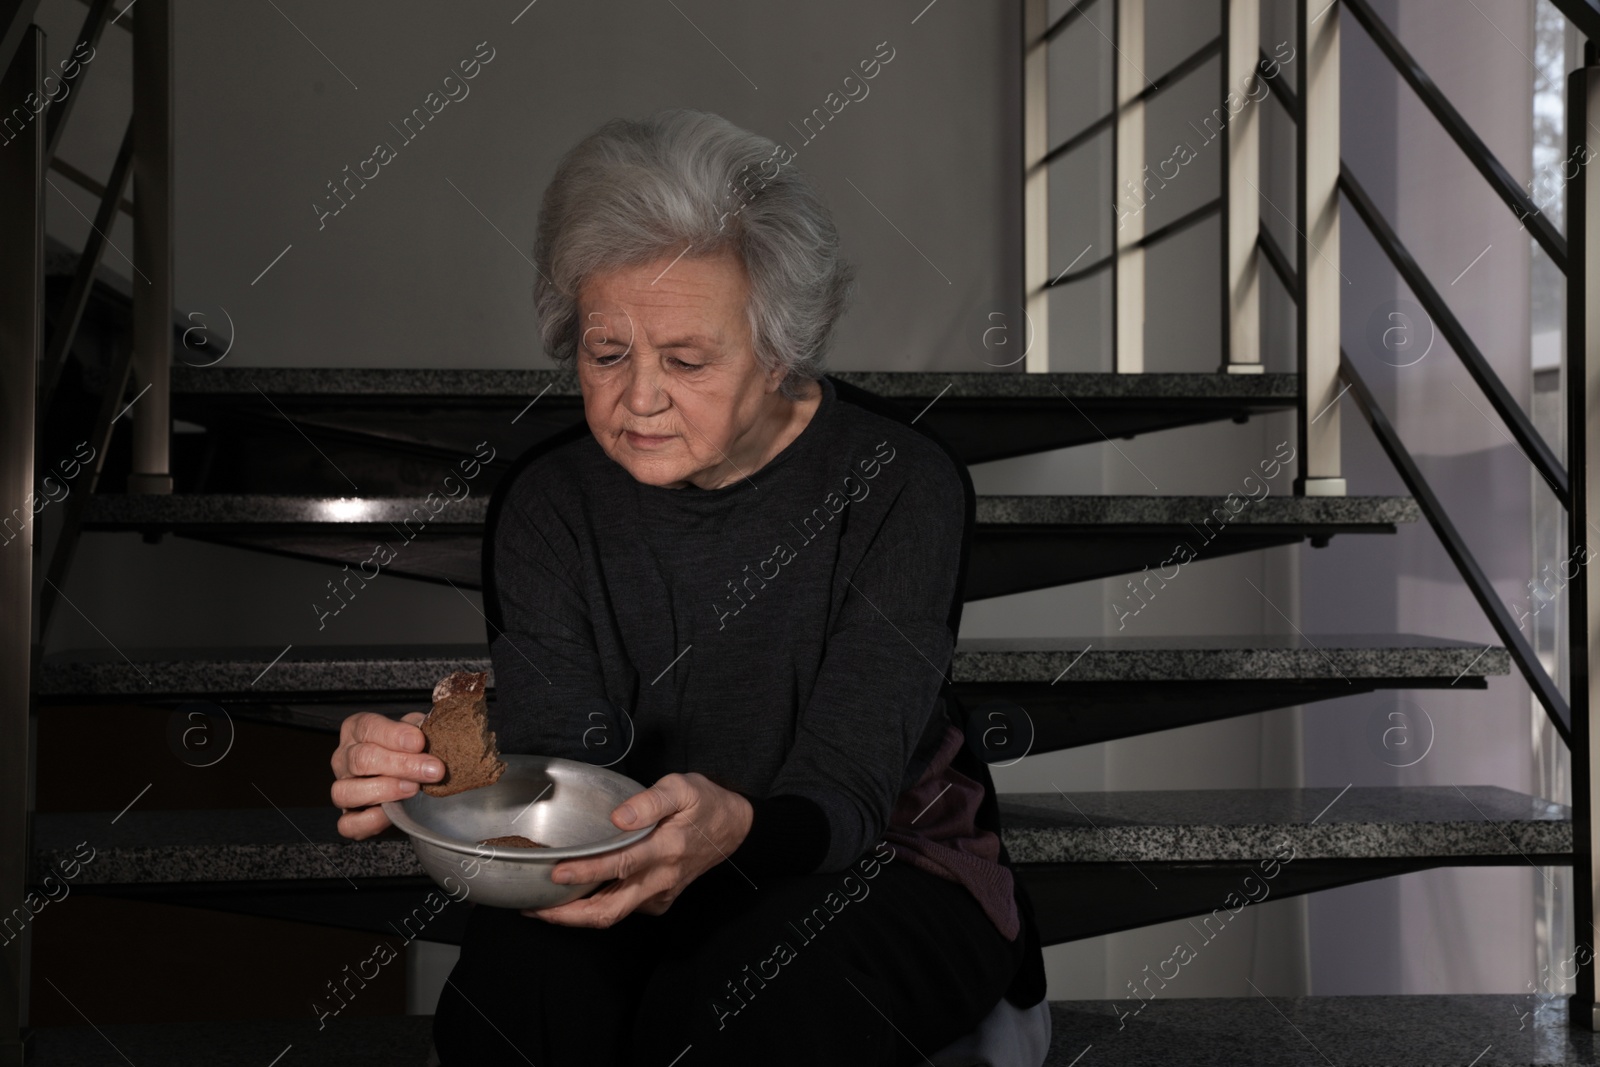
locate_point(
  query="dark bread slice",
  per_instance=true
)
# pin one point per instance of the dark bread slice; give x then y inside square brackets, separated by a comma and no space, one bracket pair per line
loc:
[458,733]
[513,841]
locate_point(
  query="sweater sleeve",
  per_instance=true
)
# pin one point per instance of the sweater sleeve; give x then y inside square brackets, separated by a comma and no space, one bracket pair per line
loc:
[550,693]
[884,667]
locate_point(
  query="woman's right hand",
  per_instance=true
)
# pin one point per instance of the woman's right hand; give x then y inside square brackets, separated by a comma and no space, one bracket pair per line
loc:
[378,759]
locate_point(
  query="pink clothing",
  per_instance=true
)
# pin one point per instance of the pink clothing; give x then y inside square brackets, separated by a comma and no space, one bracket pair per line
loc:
[934,824]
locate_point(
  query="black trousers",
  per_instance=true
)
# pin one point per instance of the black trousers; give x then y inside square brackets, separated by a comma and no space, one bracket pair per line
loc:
[879,965]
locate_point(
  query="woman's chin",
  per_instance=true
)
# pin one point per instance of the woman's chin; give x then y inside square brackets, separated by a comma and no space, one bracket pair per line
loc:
[662,471]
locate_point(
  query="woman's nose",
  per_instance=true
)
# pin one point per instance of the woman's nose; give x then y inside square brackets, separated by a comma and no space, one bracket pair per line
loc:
[643,388]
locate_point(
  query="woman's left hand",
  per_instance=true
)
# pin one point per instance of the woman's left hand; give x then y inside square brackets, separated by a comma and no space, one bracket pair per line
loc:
[700,823]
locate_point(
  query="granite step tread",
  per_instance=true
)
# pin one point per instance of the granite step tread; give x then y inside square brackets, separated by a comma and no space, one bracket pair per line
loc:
[335,672]
[1358,822]
[554,384]
[115,510]
[1181,826]
[1252,1031]
[1425,1030]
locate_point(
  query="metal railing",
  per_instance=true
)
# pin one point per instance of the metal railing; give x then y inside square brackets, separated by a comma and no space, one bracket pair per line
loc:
[1238,44]
[1323,181]
[31,365]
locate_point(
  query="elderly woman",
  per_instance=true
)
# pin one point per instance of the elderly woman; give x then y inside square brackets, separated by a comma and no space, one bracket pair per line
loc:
[745,576]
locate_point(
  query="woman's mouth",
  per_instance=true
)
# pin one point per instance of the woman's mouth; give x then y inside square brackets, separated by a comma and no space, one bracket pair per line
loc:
[639,440]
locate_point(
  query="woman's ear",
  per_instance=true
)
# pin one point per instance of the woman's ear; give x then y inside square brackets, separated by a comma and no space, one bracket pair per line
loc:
[775,376]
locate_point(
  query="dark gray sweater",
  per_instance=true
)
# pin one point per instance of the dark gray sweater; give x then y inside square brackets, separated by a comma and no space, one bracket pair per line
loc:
[787,635]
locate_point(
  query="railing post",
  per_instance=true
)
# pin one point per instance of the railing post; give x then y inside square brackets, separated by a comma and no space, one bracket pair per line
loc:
[1317,156]
[1036,184]
[1128,137]
[21,341]
[1583,470]
[1241,203]
[152,246]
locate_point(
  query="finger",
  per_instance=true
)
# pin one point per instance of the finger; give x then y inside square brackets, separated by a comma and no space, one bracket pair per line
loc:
[370,758]
[381,730]
[606,907]
[363,823]
[620,863]
[651,805]
[414,718]
[364,792]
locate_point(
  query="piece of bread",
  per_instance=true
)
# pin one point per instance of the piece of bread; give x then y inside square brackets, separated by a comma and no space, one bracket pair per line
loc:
[458,733]
[513,841]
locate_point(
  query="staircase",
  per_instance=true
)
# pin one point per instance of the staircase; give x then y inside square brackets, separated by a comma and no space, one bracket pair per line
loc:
[319,463]
[1093,863]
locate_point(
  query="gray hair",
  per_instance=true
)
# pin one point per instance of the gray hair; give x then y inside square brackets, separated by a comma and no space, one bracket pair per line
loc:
[632,192]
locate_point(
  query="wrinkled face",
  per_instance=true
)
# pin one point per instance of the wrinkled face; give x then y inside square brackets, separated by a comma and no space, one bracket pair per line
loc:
[671,386]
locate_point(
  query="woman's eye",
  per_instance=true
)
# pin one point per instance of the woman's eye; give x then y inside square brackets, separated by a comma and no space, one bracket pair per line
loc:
[606,361]
[686,366]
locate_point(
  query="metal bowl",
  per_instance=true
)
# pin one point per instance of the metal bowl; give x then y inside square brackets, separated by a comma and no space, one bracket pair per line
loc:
[562,803]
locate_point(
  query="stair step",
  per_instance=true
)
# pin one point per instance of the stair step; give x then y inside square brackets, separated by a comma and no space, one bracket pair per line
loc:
[378,383]
[1213,825]
[226,510]
[1047,693]
[382,1041]
[1077,678]
[1020,543]
[1481,824]
[1096,863]
[1255,1031]
[1352,1031]
[983,415]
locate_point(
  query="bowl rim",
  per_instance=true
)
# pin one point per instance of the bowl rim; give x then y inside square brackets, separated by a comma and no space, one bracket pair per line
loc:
[402,820]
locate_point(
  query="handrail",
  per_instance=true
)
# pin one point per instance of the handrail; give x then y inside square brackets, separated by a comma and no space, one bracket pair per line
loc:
[1544,688]
[1455,335]
[1466,139]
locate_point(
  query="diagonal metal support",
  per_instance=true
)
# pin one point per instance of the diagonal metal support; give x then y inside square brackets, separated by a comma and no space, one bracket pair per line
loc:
[70,315]
[1462,133]
[77,504]
[1522,653]
[1522,430]
[93,25]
